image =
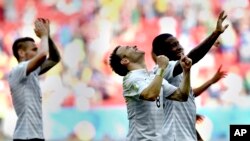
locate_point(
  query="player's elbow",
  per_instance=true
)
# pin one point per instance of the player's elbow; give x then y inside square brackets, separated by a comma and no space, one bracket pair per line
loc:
[178,96]
[184,98]
[152,96]
[57,58]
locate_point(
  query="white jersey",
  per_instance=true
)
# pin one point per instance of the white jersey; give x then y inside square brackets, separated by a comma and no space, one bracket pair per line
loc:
[142,114]
[27,101]
[179,122]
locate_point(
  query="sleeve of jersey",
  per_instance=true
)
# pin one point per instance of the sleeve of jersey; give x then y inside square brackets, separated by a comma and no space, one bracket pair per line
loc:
[168,74]
[133,86]
[168,89]
[19,72]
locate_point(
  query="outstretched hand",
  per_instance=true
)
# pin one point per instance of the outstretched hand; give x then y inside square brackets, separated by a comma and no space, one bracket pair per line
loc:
[40,28]
[46,24]
[219,27]
[218,75]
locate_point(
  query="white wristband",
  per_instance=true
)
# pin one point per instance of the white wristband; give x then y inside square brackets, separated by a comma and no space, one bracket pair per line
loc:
[160,72]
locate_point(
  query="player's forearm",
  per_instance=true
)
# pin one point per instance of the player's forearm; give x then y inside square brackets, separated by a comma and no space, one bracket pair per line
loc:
[54,54]
[185,85]
[198,91]
[44,44]
[154,88]
[182,93]
[200,51]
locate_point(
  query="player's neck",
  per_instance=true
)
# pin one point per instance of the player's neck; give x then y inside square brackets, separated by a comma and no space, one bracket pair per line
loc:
[136,66]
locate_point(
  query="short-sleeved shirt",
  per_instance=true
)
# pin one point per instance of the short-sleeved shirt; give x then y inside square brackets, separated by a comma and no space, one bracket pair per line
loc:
[142,113]
[179,122]
[27,101]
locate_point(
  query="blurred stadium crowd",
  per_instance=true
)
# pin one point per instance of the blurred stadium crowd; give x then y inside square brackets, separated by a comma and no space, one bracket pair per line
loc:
[87,30]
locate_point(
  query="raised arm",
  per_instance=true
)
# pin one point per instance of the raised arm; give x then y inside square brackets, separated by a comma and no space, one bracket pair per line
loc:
[217,76]
[182,93]
[151,92]
[42,33]
[200,51]
[54,56]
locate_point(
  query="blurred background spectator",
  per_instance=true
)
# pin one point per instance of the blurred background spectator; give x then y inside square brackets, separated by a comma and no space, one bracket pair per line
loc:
[82,97]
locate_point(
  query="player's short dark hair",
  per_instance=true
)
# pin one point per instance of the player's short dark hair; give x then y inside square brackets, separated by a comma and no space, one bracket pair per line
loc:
[115,63]
[19,44]
[160,46]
